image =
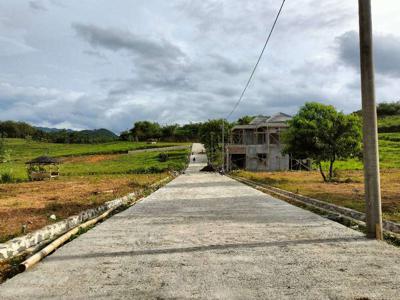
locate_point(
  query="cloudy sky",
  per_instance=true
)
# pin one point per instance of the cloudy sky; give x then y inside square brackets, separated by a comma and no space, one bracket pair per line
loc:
[99,63]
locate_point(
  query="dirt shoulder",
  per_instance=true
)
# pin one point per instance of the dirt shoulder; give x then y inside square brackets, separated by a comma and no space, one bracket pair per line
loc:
[348,194]
[31,203]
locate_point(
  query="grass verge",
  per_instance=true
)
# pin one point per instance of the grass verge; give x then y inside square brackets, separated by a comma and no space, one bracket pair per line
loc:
[350,194]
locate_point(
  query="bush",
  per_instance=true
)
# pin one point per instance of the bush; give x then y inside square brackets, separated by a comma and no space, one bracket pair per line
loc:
[388,108]
[163,157]
[149,170]
[7,178]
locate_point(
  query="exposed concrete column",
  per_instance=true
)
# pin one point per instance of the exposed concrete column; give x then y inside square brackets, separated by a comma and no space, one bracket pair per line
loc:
[370,131]
[228,160]
[268,152]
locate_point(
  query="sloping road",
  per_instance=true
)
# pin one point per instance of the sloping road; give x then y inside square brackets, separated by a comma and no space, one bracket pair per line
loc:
[207,236]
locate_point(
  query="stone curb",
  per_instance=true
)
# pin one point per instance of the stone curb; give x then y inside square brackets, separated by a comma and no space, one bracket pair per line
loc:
[20,244]
[387,225]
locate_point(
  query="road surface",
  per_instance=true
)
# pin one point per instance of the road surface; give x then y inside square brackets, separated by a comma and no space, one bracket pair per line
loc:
[205,236]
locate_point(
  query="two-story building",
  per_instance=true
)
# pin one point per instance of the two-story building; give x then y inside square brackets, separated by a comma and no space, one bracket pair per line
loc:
[257,146]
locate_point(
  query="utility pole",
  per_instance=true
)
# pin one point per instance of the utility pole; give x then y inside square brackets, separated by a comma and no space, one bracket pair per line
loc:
[223,145]
[212,147]
[370,131]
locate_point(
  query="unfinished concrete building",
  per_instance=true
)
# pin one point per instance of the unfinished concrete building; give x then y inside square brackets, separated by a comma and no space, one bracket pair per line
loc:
[257,146]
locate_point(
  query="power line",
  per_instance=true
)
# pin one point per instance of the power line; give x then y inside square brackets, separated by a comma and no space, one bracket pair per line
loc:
[258,61]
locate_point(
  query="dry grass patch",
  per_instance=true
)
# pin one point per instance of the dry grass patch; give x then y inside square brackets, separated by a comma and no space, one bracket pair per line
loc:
[349,194]
[32,203]
[89,158]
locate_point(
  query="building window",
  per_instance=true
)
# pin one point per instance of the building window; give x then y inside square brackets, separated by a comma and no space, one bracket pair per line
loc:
[262,156]
[274,138]
[260,138]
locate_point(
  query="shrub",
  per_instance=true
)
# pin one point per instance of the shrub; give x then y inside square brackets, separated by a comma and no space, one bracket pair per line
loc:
[7,178]
[163,157]
[149,170]
[6,156]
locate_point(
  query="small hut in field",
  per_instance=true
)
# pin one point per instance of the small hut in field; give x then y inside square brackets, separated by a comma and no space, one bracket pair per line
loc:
[43,167]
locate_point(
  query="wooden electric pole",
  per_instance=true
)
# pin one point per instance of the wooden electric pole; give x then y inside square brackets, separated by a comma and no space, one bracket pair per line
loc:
[212,147]
[370,131]
[223,146]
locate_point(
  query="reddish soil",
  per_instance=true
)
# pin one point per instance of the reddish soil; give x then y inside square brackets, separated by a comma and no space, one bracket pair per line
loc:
[349,193]
[32,203]
[90,158]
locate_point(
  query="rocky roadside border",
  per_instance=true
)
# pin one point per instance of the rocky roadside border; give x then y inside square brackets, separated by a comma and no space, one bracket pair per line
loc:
[19,245]
[343,215]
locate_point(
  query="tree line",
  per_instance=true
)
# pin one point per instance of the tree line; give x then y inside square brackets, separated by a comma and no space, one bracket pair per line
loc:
[192,132]
[208,132]
[146,130]
[13,129]
[385,109]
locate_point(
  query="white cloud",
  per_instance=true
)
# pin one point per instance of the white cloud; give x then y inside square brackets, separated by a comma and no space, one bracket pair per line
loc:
[110,64]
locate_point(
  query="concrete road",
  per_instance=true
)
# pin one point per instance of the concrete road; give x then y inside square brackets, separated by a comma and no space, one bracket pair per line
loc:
[205,236]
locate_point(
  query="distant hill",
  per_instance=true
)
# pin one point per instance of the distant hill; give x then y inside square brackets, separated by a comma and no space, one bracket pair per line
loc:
[99,133]
[48,129]
[13,129]
[102,132]
[82,137]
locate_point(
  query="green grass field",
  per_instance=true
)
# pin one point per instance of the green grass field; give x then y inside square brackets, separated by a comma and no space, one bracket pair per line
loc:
[389,124]
[389,154]
[140,163]
[392,136]
[23,151]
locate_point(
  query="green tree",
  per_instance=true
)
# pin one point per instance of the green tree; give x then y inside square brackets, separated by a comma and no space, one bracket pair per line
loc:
[168,132]
[245,120]
[388,109]
[126,136]
[144,130]
[323,134]
[210,135]
[188,132]
[14,129]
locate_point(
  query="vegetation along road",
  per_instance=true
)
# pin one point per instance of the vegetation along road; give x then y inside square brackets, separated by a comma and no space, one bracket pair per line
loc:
[204,235]
[91,174]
